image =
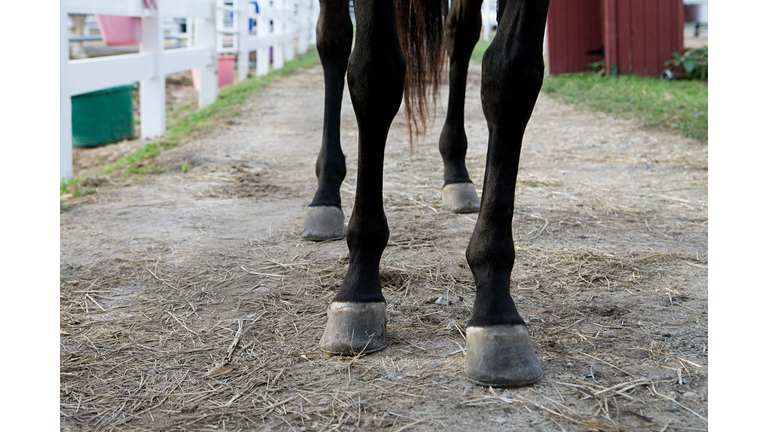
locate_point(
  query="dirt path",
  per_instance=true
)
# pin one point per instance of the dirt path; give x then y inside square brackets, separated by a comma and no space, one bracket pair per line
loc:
[166,277]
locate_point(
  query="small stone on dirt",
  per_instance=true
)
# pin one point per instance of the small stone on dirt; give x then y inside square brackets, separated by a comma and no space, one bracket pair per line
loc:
[691,395]
[670,406]
[442,301]
[450,326]
[501,420]
[610,334]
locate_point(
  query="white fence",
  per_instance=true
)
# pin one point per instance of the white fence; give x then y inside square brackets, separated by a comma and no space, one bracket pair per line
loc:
[488,14]
[279,23]
[283,25]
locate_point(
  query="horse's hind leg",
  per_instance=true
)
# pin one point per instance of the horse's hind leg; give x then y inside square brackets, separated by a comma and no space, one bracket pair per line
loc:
[499,351]
[356,319]
[324,219]
[462,32]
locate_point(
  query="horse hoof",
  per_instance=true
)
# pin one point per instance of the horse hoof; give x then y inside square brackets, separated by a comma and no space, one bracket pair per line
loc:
[323,223]
[460,198]
[355,328]
[501,356]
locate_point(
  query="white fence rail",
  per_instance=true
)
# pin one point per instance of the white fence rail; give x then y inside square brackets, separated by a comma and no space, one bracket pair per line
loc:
[278,25]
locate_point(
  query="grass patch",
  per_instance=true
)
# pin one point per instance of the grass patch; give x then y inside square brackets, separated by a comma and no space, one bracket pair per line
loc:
[84,192]
[480,47]
[680,105]
[64,186]
[181,125]
[145,169]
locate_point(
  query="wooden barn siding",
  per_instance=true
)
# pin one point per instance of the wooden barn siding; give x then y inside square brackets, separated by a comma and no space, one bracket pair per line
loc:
[573,28]
[647,33]
[638,35]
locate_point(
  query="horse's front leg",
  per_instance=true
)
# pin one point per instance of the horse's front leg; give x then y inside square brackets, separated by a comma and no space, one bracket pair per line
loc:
[376,73]
[462,33]
[499,350]
[324,219]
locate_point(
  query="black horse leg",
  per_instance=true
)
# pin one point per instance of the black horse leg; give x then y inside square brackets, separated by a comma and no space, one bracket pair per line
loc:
[324,219]
[499,351]
[356,319]
[462,32]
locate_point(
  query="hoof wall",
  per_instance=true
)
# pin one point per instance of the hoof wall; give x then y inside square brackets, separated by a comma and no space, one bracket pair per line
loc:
[460,198]
[355,328]
[323,223]
[501,356]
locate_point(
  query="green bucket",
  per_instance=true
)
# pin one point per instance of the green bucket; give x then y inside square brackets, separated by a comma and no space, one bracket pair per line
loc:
[103,116]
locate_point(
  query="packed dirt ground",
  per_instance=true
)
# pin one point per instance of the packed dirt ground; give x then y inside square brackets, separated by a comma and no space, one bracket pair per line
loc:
[189,300]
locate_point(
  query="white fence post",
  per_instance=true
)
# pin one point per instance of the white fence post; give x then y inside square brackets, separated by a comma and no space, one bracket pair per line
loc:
[289,12]
[303,27]
[65,103]
[219,24]
[488,14]
[262,32]
[241,11]
[152,90]
[314,17]
[205,34]
[278,49]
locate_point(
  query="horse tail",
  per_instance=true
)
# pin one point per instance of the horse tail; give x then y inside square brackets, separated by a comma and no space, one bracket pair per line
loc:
[420,25]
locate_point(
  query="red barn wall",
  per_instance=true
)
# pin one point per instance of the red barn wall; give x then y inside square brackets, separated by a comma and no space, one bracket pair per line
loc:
[642,34]
[638,35]
[573,28]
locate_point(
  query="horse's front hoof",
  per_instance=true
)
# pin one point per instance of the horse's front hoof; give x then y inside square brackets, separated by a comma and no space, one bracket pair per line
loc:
[323,223]
[501,356]
[460,198]
[355,328]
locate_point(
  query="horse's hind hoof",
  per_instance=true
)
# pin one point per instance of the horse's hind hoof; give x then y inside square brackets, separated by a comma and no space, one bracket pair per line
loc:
[460,198]
[501,356]
[323,223]
[355,328]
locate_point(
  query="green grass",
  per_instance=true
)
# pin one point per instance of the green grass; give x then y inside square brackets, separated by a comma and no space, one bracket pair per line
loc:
[143,170]
[679,105]
[477,53]
[84,192]
[181,125]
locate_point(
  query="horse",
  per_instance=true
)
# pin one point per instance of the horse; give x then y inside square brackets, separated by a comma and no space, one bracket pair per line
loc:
[398,52]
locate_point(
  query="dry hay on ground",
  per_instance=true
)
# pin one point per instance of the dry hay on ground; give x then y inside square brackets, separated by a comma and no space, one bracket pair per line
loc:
[159,353]
[185,306]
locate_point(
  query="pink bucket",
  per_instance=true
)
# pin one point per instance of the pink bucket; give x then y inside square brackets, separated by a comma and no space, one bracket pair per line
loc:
[226,72]
[119,30]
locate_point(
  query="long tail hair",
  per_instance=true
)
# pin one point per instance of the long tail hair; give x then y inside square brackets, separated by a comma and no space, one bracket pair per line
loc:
[420,24]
